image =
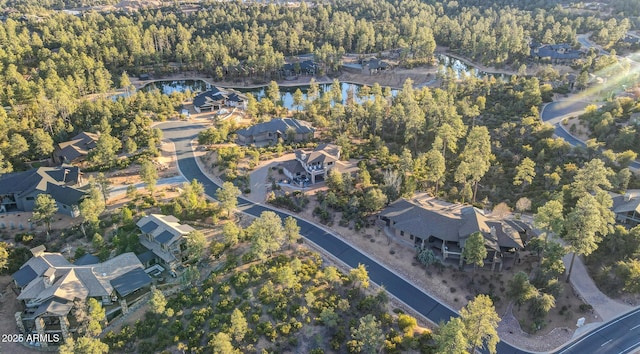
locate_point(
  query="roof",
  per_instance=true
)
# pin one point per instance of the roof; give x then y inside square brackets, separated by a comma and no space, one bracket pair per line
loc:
[321,154]
[54,306]
[24,276]
[148,227]
[71,281]
[449,222]
[64,194]
[625,203]
[212,94]
[216,94]
[77,146]
[377,64]
[164,237]
[280,125]
[167,230]
[293,166]
[305,65]
[43,179]
[131,281]
[87,259]
[556,51]
[146,256]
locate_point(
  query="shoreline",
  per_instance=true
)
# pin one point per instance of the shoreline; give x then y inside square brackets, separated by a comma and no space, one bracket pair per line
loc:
[422,76]
[324,80]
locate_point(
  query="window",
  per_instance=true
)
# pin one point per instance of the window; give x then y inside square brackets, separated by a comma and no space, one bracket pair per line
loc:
[64,206]
[410,237]
[401,233]
[29,198]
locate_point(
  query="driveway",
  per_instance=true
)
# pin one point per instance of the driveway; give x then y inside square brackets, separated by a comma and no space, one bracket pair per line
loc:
[258,178]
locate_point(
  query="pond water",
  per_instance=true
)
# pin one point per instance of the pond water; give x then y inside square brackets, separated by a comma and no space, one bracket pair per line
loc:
[286,92]
[170,86]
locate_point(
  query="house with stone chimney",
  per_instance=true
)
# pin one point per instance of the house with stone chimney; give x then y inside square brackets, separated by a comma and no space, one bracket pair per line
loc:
[444,227]
[49,285]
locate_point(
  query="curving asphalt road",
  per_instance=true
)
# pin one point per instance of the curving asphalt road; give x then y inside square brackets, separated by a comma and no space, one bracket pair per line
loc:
[554,112]
[182,134]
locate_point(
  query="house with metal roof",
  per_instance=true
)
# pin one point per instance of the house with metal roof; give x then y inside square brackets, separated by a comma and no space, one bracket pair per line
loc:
[216,98]
[445,227]
[18,191]
[164,236]
[76,149]
[268,133]
[49,285]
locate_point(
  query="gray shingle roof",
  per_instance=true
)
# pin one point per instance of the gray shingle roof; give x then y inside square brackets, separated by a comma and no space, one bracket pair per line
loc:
[87,259]
[454,223]
[54,306]
[131,281]
[213,94]
[75,281]
[45,179]
[145,257]
[293,166]
[556,51]
[77,146]
[64,194]
[280,125]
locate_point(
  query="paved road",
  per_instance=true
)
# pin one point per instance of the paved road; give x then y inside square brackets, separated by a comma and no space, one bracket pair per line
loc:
[182,133]
[554,112]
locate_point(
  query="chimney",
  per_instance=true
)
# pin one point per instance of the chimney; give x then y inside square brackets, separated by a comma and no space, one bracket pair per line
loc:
[627,197]
[49,277]
[38,251]
[493,232]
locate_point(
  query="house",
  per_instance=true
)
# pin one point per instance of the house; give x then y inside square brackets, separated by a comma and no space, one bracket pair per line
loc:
[164,236]
[626,207]
[268,133]
[556,53]
[305,67]
[375,65]
[217,98]
[48,285]
[428,222]
[18,191]
[314,166]
[76,149]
